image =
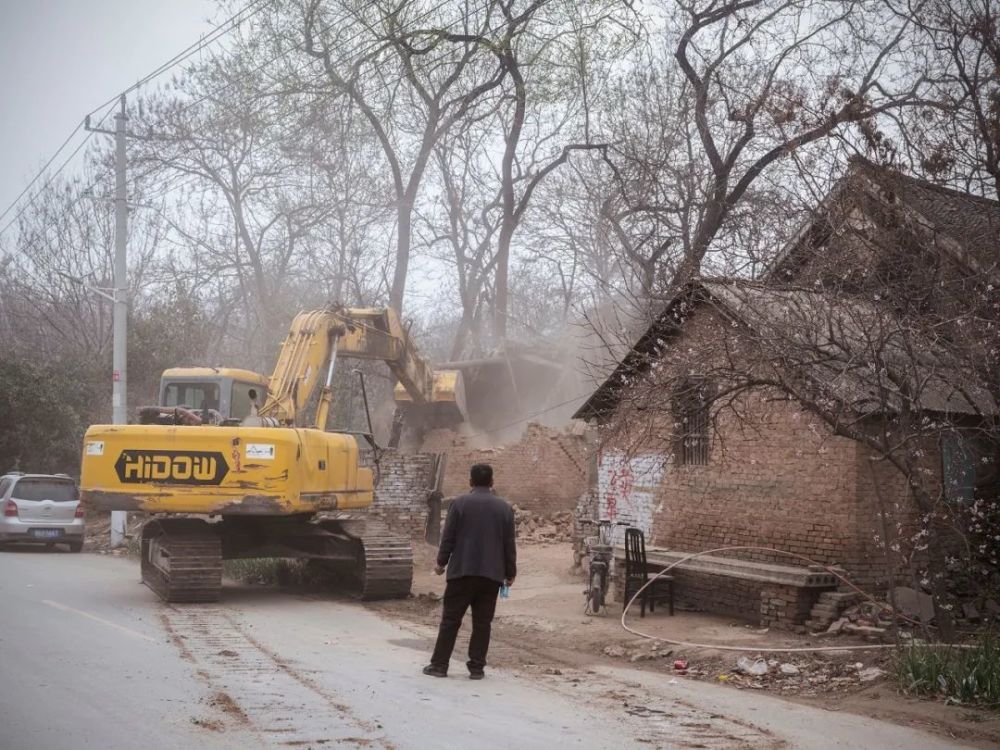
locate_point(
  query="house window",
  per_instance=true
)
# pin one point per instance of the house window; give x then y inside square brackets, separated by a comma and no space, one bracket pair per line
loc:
[691,414]
[968,467]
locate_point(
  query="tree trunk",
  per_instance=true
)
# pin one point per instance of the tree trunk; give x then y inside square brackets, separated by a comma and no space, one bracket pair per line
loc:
[937,568]
[509,204]
[403,232]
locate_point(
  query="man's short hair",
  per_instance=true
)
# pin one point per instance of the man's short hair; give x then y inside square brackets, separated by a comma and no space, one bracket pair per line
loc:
[481,475]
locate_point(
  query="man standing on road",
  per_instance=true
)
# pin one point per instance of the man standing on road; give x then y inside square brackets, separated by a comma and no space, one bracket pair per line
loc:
[478,549]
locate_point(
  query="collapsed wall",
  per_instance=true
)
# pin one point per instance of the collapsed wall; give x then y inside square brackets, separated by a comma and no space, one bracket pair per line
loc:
[543,474]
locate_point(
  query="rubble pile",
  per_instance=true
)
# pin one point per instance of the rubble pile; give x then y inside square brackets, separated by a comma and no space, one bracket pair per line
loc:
[867,619]
[838,612]
[804,674]
[829,608]
[645,651]
[535,527]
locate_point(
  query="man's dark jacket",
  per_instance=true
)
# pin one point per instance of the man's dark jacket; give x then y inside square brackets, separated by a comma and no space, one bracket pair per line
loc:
[478,537]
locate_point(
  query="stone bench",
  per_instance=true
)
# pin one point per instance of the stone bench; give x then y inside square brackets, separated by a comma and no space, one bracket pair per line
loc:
[769,594]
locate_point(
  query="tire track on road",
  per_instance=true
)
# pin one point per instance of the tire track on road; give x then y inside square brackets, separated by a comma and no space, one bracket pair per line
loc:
[255,687]
[656,721]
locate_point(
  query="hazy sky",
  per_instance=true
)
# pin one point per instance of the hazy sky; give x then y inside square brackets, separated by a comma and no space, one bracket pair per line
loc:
[61,58]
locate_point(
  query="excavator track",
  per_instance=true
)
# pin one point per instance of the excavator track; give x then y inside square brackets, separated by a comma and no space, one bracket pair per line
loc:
[383,560]
[182,560]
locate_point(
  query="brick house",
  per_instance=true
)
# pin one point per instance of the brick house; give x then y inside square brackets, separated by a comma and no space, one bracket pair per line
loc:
[714,463]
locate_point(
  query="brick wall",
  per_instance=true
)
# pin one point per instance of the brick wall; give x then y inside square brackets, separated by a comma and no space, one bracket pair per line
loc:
[786,484]
[787,607]
[776,477]
[627,487]
[768,604]
[401,494]
[545,471]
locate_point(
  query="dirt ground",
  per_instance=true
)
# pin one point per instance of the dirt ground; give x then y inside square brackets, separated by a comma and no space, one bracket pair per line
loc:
[542,628]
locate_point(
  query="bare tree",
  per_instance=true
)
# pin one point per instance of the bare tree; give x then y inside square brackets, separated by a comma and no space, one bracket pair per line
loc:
[245,195]
[762,83]
[962,142]
[409,84]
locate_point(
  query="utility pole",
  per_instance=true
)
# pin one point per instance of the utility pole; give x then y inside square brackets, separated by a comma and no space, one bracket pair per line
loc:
[119,375]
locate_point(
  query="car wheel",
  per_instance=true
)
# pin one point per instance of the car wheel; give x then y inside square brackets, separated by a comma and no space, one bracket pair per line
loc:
[76,546]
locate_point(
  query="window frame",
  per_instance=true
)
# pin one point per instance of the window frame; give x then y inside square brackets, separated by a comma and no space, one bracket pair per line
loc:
[261,397]
[692,411]
[194,384]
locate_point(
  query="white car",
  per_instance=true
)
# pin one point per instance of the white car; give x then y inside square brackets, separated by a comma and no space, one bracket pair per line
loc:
[40,509]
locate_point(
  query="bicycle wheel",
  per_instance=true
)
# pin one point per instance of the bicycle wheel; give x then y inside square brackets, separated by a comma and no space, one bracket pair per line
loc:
[595,592]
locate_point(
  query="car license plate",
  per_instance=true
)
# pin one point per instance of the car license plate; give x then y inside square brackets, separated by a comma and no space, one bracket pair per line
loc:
[46,533]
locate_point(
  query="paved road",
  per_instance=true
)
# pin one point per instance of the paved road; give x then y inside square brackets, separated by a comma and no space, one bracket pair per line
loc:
[89,659]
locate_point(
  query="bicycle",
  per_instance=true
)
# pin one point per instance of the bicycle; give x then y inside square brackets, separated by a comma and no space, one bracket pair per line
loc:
[601,551]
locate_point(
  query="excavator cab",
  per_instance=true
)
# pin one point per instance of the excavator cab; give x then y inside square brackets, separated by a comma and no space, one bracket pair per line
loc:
[230,392]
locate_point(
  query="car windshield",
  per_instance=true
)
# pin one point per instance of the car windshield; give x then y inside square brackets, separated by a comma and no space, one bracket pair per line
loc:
[194,395]
[45,489]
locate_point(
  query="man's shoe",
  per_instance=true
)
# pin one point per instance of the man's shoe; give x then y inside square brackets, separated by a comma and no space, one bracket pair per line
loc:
[435,671]
[476,675]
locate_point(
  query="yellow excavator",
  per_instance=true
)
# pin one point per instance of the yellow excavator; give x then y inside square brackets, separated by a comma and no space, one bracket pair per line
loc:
[232,466]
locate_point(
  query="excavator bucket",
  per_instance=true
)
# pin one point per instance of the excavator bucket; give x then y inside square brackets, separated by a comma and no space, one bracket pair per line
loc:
[446,407]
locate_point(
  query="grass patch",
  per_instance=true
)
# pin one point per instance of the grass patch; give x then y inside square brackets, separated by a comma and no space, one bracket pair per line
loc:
[260,570]
[970,676]
[271,571]
[133,545]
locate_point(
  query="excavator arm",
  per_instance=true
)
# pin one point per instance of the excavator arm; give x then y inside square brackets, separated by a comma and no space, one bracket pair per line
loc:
[315,340]
[310,344]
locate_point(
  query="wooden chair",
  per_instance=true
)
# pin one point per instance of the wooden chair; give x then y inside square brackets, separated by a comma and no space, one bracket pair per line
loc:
[637,575]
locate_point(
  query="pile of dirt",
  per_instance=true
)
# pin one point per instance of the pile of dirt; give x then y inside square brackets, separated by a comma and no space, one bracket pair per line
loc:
[537,527]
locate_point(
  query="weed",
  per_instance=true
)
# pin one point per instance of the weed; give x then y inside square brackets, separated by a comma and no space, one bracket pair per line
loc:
[268,571]
[970,676]
[133,545]
[311,575]
[263,570]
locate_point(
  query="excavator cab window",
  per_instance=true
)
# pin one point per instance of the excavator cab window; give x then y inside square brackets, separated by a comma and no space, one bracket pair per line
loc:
[244,396]
[194,395]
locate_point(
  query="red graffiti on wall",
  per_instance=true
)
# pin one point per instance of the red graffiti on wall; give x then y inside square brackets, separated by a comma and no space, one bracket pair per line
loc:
[621,480]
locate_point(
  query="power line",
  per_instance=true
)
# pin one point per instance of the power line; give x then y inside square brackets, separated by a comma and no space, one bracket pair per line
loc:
[49,181]
[546,410]
[360,51]
[301,47]
[216,33]
[41,171]
[227,26]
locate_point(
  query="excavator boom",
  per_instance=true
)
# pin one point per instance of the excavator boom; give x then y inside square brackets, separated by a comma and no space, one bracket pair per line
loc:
[316,338]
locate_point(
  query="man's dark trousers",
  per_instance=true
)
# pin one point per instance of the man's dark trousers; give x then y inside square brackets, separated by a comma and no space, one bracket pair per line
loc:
[459,595]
